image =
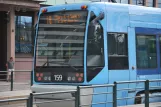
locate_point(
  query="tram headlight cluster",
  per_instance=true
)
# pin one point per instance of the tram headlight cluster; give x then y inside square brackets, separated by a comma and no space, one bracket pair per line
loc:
[47,78]
[76,77]
[71,78]
[43,76]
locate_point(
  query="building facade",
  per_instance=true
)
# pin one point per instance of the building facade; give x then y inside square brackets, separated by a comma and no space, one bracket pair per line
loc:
[17,20]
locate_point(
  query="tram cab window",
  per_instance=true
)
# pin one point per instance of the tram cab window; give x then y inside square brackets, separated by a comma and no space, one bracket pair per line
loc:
[95,47]
[95,44]
[117,51]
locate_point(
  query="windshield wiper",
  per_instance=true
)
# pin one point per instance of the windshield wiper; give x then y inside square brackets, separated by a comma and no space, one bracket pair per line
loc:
[59,64]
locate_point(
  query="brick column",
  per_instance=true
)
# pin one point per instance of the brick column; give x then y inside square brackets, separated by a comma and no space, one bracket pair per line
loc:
[145,2]
[130,2]
[11,35]
[155,3]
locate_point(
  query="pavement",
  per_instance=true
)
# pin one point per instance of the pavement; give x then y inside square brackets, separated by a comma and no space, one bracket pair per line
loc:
[6,86]
[12,95]
[21,89]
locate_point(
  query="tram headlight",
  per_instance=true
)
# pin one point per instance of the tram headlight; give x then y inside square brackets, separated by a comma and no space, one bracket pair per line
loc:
[43,76]
[47,78]
[79,76]
[69,78]
[75,77]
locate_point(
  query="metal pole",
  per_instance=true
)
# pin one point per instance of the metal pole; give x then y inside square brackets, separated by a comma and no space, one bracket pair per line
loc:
[28,102]
[115,95]
[11,80]
[147,93]
[143,4]
[31,82]
[77,97]
[31,100]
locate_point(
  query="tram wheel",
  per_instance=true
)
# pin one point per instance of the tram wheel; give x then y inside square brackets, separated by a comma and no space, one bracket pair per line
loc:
[138,99]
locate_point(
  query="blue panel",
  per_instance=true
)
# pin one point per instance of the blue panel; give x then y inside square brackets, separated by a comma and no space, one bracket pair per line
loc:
[132,52]
[146,18]
[159,26]
[145,14]
[141,10]
[120,75]
[148,31]
[117,22]
[117,18]
[142,24]
[101,78]
[100,98]
[132,62]
[116,7]
[147,71]
[147,77]
[116,75]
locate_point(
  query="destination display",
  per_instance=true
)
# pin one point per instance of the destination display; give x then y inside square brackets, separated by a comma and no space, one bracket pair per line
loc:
[70,18]
[63,17]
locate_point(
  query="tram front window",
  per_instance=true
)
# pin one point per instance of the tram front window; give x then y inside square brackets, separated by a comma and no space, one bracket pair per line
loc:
[60,42]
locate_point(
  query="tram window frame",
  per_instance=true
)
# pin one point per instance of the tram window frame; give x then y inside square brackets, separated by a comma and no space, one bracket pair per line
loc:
[116,57]
[94,41]
[148,67]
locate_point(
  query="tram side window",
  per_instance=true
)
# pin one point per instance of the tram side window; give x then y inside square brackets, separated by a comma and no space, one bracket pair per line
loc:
[146,51]
[117,51]
[95,44]
[95,48]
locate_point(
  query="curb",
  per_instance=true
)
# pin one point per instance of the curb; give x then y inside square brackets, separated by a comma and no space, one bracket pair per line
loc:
[13,102]
[7,97]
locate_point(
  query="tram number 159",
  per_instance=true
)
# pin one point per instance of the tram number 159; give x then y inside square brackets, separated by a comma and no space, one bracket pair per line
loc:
[58,77]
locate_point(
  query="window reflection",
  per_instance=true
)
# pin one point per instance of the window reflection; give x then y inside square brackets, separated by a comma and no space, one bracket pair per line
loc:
[159,3]
[146,52]
[23,34]
[137,2]
[122,1]
[150,3]
[117,51]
